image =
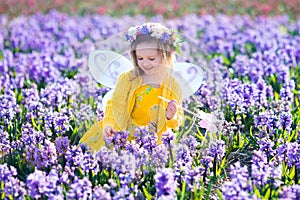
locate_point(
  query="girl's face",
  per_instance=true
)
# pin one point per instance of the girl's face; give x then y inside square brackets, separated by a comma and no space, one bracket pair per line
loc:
[148,58]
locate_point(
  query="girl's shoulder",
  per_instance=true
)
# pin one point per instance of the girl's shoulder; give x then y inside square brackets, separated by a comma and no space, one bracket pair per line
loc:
[127,75]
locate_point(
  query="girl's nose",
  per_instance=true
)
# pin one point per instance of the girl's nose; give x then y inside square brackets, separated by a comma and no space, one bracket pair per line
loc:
[145,63]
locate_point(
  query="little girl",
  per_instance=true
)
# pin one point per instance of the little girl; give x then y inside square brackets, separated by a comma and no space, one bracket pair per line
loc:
[136,100]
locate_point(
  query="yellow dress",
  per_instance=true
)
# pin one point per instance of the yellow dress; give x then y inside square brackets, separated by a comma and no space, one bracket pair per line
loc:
[135,104]
[146,106]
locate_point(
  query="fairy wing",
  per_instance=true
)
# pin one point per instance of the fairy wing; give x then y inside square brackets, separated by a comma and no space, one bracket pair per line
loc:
[106,66]
[189,76]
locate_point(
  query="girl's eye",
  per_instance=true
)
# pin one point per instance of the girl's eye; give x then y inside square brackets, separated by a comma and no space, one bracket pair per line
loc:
[151,59]
[140,58]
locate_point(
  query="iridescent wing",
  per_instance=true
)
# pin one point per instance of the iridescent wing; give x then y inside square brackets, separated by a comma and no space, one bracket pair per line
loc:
[189,76]
[106,66]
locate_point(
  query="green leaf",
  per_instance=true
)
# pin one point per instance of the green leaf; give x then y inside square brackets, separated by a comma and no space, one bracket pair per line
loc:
[147,195]
[267,194]
[226,61]
[256,191]
[291,136]
[208,191]
[221,166]
[183,190]
[201,191]
[276,95]
[3,195]
[219,193]
[292,172]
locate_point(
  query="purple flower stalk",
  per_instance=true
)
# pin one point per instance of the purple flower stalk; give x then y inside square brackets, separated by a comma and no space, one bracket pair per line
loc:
[119,139]
[62,144]
[285,121]
[238,187]
[165,184]
[80,189]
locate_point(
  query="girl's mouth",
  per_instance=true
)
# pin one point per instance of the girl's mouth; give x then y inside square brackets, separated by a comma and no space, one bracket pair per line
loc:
[148,68]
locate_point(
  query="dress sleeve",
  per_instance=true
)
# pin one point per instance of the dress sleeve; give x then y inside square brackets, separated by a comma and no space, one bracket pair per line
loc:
[108,119]
[116,113]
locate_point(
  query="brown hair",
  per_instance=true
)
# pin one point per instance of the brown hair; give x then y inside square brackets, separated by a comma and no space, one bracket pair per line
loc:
[165,51]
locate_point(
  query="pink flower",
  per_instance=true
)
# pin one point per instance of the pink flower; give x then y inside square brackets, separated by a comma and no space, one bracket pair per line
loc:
[101,10]
[31,3]
[208,122]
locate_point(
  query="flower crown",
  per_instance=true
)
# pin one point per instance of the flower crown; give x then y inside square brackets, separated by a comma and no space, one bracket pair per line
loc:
[157,31]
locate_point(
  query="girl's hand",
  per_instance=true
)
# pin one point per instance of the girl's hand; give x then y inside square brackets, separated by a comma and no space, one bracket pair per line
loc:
[108,132]
[171,109]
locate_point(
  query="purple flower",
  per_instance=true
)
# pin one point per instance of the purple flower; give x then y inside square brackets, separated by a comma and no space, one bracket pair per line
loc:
[241,65]
[272,122]
[106,157]
[58,122]
[119,139]
[44,155]
[80,189]
[30,136]
[281,150]
[35,183]
[8,106]
[290,192]
[168,137]
[266,145]
[285,121]
[261,120]
[293,154]
[62,144]
[165,184]
[165,37]
[190,141]
[14,188]
[259,94]
[76,156]
[192,176]
[183,154]
[159,156]
[146,138]
[206,161]
[286,93]
[4,143]
[217,149]
[101,194]
[238,187]
[144,30]
[125,164]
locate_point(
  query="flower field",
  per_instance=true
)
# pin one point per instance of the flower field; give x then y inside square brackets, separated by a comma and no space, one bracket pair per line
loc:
[48,99]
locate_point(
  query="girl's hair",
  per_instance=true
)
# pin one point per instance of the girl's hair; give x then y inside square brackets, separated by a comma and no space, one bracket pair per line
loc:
[165,50]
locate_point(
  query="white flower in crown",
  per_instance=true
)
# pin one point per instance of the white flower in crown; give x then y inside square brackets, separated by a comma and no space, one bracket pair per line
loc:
[157,32]
[132,32]
[176,41]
